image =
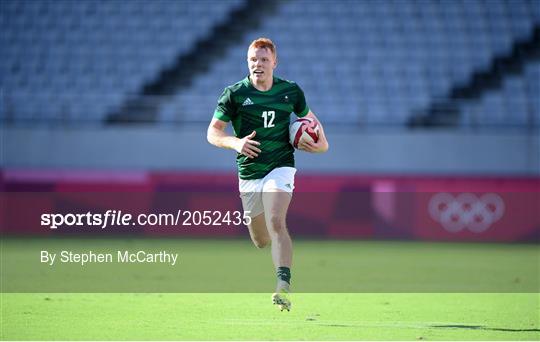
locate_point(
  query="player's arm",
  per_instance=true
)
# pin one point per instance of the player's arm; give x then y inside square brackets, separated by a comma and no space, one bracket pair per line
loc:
[321,145]
[217,136]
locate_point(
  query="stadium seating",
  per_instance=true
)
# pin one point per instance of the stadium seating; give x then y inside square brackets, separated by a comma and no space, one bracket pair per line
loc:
[373,62]
[365,63]
[515,105]
[74,61]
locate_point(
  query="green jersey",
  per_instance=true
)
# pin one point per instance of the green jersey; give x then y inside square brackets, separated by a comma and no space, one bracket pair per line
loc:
[268,113]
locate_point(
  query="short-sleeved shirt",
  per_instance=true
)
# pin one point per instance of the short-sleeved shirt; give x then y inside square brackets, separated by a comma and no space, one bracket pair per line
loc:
[268,113]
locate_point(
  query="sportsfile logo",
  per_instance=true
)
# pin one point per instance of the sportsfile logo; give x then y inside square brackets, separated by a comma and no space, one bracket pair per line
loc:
[466,211]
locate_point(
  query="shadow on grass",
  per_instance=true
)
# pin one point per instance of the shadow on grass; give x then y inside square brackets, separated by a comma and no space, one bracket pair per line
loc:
[480,327]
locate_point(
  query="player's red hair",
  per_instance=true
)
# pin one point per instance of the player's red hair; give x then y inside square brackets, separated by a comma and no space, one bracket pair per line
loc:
[264,43]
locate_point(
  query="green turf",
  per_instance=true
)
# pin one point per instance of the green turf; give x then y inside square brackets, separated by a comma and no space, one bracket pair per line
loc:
[252,317]
[343,291]
[319,266]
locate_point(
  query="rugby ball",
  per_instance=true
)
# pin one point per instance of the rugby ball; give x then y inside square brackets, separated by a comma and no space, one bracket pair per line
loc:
[303,129]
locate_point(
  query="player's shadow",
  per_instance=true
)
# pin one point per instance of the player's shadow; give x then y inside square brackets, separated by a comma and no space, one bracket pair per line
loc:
[481,327]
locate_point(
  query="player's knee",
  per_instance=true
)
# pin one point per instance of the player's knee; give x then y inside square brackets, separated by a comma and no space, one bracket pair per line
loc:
[277,224]
[261,242]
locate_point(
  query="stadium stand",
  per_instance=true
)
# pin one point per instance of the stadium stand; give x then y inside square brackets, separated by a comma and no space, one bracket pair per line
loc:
[516,104]
[77,60]
[364,63]
[372,62]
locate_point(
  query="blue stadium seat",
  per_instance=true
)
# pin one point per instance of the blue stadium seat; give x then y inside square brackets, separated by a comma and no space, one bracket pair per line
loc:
[375,61]
[391,56]
[84,49]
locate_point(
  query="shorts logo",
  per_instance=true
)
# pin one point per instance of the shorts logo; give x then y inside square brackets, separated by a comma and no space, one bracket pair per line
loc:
[466,211]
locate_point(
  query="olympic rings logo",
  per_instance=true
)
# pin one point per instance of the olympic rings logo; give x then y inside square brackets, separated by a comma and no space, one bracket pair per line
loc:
[466,211]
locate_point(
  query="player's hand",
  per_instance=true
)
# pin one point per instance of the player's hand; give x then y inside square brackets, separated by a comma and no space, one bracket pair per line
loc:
[248,147]
[312,147]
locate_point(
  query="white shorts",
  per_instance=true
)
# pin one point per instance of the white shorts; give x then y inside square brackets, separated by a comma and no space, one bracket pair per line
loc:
[251,190]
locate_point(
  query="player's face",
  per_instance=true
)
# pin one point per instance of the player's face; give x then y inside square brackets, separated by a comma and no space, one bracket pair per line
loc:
[261,64]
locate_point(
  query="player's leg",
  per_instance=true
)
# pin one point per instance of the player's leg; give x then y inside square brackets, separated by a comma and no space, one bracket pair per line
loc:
[267,201]
[278,187]
[258,232]
[251,195]
[276,203]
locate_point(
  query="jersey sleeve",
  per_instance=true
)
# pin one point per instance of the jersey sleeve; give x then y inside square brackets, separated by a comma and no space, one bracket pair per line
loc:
[301,108]
[225,107]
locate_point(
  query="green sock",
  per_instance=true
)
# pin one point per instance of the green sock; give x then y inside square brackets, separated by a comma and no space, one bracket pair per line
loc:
[284,273]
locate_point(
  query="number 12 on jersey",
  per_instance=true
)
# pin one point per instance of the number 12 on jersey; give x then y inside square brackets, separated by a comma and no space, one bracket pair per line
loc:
[268,118]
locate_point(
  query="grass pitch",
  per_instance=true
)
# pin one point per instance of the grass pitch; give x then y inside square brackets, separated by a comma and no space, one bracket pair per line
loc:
[323,307]
[206,316]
